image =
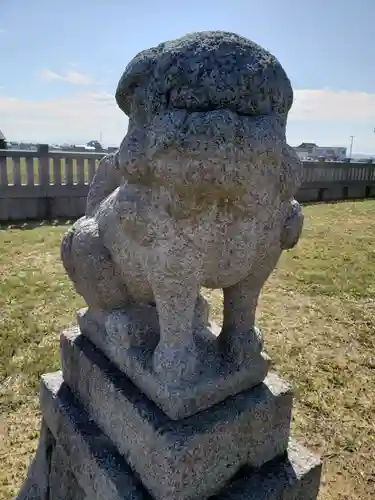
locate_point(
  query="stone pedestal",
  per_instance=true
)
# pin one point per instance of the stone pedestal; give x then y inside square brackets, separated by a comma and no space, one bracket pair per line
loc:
[103,438]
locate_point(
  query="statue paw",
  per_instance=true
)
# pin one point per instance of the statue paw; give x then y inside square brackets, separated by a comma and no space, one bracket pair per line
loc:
[241,347]
[173,364]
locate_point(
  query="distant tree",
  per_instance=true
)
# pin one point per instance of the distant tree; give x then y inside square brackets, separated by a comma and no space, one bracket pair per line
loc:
[3,142]
[96,145]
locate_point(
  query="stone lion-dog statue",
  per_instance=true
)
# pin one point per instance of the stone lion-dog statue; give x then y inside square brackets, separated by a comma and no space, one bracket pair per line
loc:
[199,194]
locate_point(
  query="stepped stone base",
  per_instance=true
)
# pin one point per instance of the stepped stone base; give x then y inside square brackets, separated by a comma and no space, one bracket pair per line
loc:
[188,458]
[76,461]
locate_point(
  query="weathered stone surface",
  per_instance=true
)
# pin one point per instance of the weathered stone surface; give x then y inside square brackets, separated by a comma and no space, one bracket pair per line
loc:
[190,458]
[200,193]
[205,71]
[128,341]
[296,477]
[62,482]
[102,473]
[36,485]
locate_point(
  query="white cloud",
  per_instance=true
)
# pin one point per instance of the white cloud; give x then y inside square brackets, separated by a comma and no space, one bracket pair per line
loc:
[332,105]
[71,76]
[79,117]
[83,116]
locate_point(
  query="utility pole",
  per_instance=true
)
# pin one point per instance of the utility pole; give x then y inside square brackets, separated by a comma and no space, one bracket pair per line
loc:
[351,147]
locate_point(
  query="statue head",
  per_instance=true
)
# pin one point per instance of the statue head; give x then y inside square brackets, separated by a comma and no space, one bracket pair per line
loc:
[207,119]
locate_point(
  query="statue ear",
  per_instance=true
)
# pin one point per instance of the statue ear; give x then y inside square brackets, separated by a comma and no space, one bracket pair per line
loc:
[292,228]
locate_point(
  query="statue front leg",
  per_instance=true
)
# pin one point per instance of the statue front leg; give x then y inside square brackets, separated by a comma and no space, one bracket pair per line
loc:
[175,357]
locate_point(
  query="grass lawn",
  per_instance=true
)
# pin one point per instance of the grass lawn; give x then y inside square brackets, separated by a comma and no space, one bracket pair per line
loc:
[317,313]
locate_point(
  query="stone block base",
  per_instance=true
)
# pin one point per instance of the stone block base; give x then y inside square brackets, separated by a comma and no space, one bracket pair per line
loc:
[189,458]
[129,344]
[77,461]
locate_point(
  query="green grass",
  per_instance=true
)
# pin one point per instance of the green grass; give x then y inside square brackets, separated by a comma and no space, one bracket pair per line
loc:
[317,313]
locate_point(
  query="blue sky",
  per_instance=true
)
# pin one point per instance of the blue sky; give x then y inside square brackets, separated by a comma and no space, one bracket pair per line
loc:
[61,61]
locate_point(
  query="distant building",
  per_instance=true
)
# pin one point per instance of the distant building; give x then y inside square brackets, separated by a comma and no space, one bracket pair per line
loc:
[306,147]
[330,153]
[303,155]
[3,142]
[310,150]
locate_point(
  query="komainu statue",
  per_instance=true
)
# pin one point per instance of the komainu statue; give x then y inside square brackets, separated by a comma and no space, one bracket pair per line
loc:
[199,194]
